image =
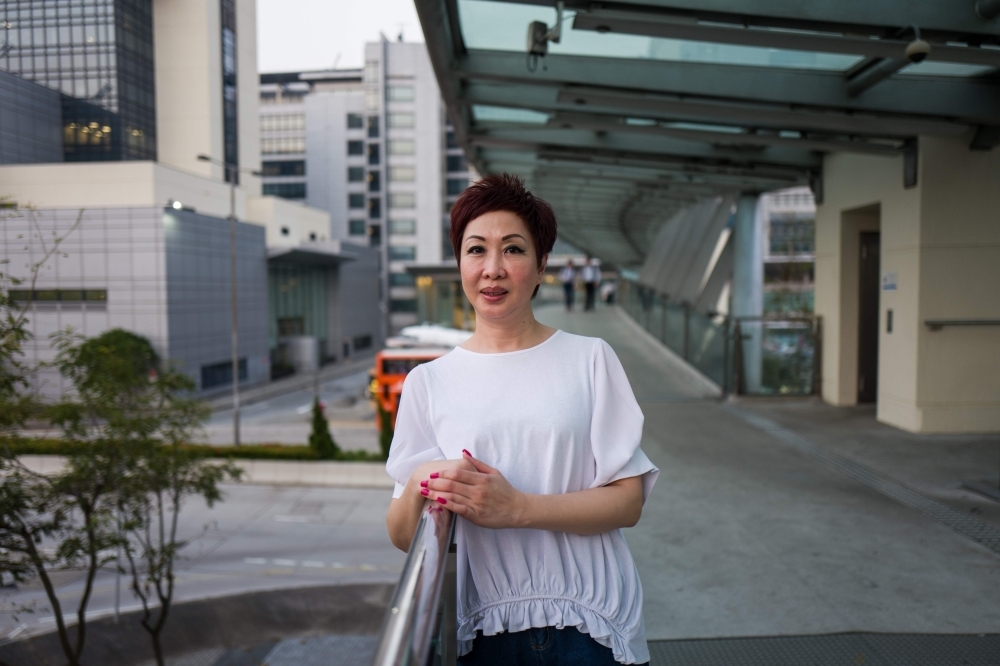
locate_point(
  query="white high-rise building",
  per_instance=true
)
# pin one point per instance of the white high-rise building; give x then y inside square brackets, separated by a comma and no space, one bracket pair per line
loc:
[373,147]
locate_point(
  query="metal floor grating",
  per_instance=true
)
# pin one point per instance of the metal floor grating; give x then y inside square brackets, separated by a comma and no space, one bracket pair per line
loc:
[968,526]
[852,649]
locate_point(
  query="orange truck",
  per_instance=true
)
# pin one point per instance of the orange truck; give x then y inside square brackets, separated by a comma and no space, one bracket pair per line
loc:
[391,367]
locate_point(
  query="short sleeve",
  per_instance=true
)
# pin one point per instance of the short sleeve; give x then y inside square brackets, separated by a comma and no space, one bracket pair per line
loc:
[413,440]
[616,425]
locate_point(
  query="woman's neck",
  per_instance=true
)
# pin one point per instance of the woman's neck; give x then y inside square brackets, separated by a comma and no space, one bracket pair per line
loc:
[496,337]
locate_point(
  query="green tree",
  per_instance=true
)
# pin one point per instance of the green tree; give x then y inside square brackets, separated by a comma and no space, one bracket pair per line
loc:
[320,439]
[385,431]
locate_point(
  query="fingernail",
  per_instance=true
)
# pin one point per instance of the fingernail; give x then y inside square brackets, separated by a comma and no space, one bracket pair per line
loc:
[435,475]
[441,500]
[466,453]
[423,484]
[424,492]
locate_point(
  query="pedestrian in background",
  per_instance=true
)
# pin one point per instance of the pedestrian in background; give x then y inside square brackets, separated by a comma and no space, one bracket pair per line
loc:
[591,275]
[568,277]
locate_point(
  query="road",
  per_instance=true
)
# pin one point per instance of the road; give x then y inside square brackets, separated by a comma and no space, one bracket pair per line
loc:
[286,419]
[258,538]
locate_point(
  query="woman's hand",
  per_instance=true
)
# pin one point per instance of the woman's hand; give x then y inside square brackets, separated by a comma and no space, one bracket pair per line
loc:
[481,495]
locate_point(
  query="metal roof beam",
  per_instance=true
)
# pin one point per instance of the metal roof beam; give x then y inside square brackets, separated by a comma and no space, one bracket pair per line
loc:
[681,26]
[948,99]
[859,17]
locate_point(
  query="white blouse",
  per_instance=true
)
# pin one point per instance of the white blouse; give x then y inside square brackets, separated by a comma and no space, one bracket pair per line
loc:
[556,418]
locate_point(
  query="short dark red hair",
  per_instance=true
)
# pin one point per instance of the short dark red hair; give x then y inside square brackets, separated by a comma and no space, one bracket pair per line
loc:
[503,191]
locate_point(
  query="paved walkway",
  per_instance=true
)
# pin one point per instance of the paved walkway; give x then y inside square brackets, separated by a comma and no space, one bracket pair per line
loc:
[746,536]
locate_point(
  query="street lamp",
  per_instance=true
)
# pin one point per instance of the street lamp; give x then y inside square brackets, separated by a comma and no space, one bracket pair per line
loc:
[231,171]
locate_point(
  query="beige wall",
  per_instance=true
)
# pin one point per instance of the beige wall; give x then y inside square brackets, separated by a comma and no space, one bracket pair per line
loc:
[115,184]
[273,213]
[188,52]
[942,239]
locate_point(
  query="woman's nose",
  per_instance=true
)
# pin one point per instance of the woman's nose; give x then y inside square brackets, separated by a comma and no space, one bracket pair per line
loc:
[494,266]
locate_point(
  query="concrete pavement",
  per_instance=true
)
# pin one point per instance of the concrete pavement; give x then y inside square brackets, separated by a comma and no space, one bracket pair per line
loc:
[743,536]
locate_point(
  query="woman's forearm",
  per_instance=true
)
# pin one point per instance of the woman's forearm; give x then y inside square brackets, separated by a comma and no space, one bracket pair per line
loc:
[591,511]
[403,516]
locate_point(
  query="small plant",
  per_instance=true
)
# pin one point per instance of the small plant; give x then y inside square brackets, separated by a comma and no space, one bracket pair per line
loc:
[320,440]
[384,431]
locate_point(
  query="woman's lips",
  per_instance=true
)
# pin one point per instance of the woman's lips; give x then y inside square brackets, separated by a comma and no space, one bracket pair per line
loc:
[493,295]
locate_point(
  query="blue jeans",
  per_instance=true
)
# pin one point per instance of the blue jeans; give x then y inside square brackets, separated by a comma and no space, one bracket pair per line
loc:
[547,646]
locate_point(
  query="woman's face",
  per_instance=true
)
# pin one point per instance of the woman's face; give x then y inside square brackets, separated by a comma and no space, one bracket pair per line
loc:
[499,265]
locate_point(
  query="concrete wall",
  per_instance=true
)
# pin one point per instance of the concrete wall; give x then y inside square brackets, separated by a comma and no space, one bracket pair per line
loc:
[188,55]
[30,122]
[302,222]
[941,239]
[116,184]
[357,297]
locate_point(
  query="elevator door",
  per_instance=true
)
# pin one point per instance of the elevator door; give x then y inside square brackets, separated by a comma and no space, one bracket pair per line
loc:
[868,268]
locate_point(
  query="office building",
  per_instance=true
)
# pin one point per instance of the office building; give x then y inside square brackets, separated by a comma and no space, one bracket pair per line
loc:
[373,147]
[106,108]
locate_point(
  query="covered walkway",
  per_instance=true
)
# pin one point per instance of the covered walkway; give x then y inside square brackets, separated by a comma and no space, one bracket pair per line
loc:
[751,533]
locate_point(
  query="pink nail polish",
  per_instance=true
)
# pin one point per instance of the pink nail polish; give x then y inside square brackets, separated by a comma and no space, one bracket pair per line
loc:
[423,484]
[466,453]
[435,475]
[424,492]
[441,500]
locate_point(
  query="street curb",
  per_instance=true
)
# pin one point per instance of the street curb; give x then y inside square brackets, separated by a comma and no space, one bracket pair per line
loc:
[321,473]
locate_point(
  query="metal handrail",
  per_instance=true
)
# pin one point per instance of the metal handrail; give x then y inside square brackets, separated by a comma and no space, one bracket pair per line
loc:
[938,324]
[419,609]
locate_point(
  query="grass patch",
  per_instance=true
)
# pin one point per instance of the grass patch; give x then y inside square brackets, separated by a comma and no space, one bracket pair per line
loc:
[59,447]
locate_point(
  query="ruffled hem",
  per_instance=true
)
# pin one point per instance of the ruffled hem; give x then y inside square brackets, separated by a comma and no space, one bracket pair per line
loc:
[560,612]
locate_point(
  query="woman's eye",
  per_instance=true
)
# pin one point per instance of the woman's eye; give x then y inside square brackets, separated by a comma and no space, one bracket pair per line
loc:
[515,249]
[475,249]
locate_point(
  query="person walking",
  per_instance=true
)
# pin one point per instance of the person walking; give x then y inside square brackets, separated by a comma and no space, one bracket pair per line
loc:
[530,436]
[591,276]
[568,278]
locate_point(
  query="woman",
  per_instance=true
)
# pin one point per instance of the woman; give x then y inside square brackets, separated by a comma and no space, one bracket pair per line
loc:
[531,436]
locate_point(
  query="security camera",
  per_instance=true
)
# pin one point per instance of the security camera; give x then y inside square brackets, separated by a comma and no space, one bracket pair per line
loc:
[538,43]
[917,50]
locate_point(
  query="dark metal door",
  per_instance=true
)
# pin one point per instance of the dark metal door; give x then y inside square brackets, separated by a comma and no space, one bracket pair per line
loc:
[868,272]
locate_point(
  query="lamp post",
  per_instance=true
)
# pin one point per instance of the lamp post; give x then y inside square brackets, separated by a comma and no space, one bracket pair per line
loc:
[231,171]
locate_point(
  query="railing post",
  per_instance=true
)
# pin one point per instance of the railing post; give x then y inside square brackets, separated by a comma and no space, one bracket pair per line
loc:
[449,617]
[818,356]
[738,387]
[687,329]
[726,370]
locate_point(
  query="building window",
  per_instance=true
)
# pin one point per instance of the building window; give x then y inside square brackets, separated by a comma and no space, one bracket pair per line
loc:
[401,146]
[355,174]
[60,295]
[403,305]
[284,168]
[355,121]
[401,120]
[361,342]
[355,147]
[357,228]
[230,103]
[400,93]
[372,127]
[374,181]
[356,200]
[220,374]
[450,140]
[285,190]
[282,122]
[373,156]
[457,163]
[790,235]
[457,185]
[402,174]
[402,252]
[401,280]
[374,208]
[283,144]
[402,227]
[402,200]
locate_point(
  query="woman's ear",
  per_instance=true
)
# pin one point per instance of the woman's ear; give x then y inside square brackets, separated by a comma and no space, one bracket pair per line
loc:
[542,264]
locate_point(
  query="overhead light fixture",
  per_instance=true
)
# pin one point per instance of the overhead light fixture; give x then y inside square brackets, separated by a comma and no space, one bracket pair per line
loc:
[176,205]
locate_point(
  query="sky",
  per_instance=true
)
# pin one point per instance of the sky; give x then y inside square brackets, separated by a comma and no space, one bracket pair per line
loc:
[314,34]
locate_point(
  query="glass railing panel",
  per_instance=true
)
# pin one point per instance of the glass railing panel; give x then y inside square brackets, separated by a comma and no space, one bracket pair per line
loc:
[707,345]
[778,356]
[673,334]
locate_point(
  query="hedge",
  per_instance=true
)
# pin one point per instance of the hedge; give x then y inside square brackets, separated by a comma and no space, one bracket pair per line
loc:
[59,447]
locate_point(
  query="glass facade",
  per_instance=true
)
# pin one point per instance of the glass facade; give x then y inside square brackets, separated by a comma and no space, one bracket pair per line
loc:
[99,55]
[230,103]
